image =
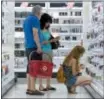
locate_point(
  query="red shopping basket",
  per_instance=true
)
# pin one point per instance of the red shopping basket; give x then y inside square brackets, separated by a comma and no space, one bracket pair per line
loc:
[40,68]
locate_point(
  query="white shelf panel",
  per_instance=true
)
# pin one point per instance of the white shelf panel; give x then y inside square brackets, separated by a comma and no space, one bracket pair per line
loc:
[67,34]
[98,86]
[8,78]
[19,69]
[66,9]
[17,18]
[64,48]
[60,17]
[19,35]
[19,49]
[59,57]
[69,17]
[64,25]
[97,50]
[17,26]
[20,9]
[70,41]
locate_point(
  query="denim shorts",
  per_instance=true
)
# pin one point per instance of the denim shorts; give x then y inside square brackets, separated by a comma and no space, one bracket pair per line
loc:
[71,81]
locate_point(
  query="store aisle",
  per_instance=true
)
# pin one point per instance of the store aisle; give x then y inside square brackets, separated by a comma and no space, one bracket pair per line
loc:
[18,91]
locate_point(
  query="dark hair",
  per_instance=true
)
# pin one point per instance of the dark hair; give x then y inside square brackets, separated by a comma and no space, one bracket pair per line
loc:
[44,19]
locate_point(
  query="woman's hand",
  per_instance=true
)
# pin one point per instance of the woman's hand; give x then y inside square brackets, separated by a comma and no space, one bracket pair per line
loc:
[55,39]
[45,42]
[82,66]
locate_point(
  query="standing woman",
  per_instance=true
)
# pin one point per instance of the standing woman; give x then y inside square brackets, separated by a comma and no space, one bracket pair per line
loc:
[45,22]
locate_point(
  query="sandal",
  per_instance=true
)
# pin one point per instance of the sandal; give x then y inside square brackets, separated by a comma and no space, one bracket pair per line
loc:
[51,88]
[44,89]
[27,92]
[36,92]
[48,88]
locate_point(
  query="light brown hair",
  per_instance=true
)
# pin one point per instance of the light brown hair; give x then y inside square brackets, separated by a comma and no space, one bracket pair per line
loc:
[76,53]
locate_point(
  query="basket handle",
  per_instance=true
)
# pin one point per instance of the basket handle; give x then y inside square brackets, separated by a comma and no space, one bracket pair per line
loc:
[42,53]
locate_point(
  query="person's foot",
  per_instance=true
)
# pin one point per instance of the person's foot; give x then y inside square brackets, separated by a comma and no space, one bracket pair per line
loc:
[51,88]
[71,90]
[36,92]
[27,91]
[48,88]
[41,88]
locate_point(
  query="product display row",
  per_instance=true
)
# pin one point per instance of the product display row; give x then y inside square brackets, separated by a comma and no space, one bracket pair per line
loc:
[7,63]
[24,14]
[95,39]
[69,29]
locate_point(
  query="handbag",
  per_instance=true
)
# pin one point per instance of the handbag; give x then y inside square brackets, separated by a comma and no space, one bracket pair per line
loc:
[54,45]
[60,75]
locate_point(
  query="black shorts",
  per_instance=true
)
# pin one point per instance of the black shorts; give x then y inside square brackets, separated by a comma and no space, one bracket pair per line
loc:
[34,56]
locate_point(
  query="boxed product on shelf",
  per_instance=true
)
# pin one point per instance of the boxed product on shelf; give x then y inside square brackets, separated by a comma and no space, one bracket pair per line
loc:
[95,38]
[4,70]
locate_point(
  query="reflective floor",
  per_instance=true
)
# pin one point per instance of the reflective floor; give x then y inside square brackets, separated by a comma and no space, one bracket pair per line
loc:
[19,91]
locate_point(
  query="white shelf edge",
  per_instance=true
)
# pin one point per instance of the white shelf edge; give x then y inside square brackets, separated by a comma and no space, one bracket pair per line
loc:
[65,34]
[19,49]
[68,17]
[69,41]
[20,9]
[66,9]
[96,87]
[24,70]
[66,25]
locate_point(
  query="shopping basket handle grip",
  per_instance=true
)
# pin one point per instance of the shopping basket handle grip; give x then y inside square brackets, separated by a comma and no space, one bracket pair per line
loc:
[41,53]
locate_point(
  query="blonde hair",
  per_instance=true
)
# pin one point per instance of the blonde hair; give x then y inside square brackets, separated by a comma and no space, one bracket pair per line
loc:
[76,53]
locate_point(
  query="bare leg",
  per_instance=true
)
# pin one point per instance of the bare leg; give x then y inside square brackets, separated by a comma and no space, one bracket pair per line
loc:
[83,80]
[48,82]
[32,83]
[40,84]
[28,81]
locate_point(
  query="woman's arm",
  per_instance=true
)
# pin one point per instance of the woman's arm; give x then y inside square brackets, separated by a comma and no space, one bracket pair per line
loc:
[55,39]
[74,72]
[52,40]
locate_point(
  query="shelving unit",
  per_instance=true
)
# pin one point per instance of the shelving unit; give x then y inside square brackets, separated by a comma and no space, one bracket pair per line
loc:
[70,32]
[7,41]
[95,49]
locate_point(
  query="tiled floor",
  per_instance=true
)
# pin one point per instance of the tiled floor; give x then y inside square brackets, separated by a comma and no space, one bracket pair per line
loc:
[18,91]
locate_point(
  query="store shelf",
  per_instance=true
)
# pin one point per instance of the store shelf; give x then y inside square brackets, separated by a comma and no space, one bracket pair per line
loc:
[20,69]
[67,34]
[19,35]
[98,86]
[65,9]
[17,26]
[20,49]
[65,41]
[7,78]
[64,48]
[66,25]
[20,9]
[69,17]
[59,57]
[16,18]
